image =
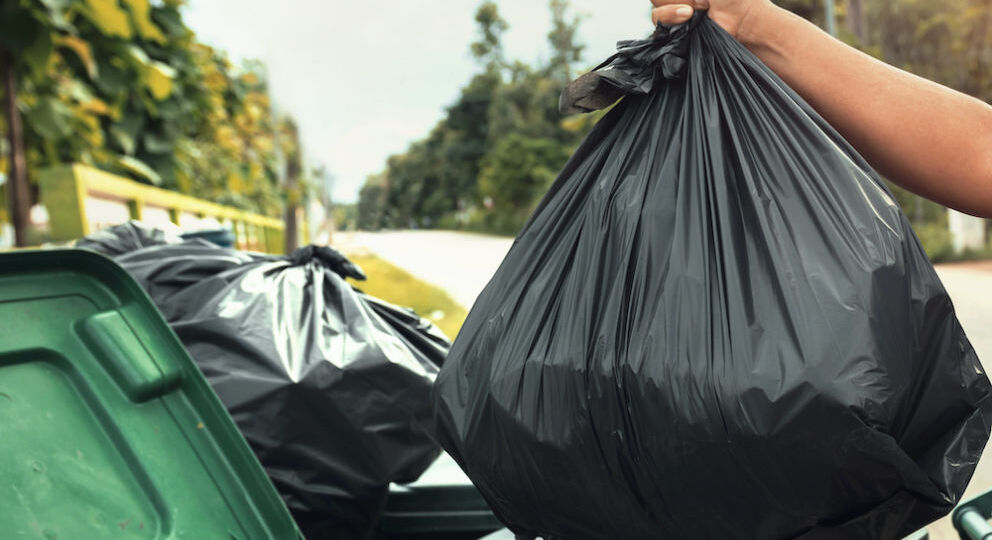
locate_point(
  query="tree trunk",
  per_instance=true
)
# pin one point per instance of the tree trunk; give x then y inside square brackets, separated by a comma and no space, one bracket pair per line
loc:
[856,21]
[17,180]
[292,231]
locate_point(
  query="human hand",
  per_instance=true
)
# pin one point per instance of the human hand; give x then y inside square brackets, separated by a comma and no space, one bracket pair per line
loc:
[734,16]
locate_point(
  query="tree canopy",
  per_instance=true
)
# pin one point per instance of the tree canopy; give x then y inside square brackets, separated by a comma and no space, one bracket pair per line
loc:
[125,86]
[488,161]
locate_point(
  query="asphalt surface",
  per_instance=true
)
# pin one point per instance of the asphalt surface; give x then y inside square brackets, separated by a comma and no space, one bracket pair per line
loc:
[463,263]
[459,263]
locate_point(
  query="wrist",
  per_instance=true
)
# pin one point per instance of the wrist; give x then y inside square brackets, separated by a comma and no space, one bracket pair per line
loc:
[757,25]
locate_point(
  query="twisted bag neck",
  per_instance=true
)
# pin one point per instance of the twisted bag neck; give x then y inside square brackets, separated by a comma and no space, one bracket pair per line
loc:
[329,258]
[636,68]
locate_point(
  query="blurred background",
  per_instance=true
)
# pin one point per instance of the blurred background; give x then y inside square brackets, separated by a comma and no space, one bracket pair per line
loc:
[339,117]
[367,126]
[417,137]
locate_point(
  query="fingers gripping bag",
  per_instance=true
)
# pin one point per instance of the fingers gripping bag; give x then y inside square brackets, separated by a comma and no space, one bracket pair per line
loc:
[717,324]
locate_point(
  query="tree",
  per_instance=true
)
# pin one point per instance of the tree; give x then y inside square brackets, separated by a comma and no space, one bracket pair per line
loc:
[25,45]
[516,174]
[565,49]
[123,85]
[437,176]
[505,108]
[17,180]
[293,157]
[372,203]
[229,151]
[464,142]
[489,48]
[811,10]
[856,23]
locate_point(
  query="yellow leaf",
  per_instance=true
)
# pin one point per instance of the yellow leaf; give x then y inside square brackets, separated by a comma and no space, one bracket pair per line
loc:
[141,11]
[82,50]
[234,183]
[254,112]
[263,144]
[158,80]
[228,139]
[96,106]
[214,81]
[250,79]
[242,123]
[116,109]
[184,180]
[108,16]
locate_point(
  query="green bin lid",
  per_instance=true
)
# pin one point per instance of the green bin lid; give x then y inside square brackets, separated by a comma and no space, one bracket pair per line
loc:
[108,429]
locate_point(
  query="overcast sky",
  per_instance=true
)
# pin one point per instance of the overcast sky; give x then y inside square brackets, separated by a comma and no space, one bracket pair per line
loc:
[364,79]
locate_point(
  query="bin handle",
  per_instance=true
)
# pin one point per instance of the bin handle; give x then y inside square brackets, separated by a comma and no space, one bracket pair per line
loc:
[972,523]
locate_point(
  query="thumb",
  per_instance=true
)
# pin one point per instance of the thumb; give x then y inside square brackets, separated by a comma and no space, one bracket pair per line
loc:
[672,14]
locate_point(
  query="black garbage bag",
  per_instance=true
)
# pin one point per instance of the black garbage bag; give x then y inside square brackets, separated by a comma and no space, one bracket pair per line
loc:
[126,237]
[330,386]
[717,324]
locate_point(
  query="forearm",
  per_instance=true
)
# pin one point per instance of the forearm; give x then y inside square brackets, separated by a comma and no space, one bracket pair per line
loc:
[928,138]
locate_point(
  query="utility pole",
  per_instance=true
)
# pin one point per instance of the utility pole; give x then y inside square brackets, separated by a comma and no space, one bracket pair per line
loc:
[17,180]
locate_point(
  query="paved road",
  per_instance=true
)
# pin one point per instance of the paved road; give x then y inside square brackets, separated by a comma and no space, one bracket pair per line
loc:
[463,263]
[459,263]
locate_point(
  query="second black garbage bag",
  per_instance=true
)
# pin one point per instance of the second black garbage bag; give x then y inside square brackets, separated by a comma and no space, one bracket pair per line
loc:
[717,324]
[330,386]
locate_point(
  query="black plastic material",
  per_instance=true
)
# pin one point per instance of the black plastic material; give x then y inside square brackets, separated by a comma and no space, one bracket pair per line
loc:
[221,237]
[329,386]
[717,324]
[125,238]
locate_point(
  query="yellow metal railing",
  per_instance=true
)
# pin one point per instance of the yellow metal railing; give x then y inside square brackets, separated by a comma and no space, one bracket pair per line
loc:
[64,191]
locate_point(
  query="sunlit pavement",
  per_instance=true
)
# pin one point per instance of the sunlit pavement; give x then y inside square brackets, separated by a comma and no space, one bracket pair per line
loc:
[459,263]
[463,263]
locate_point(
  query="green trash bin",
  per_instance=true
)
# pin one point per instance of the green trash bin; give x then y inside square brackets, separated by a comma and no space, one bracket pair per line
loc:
[108,428]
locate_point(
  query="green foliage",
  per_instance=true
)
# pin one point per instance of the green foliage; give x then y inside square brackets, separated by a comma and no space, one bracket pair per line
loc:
[564,46]
[487,162]
[515,174]
[125,86]
[811,10]
[345,217]
[936,240]
[372,211]
[947,42]
[489,47]
[232,150]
